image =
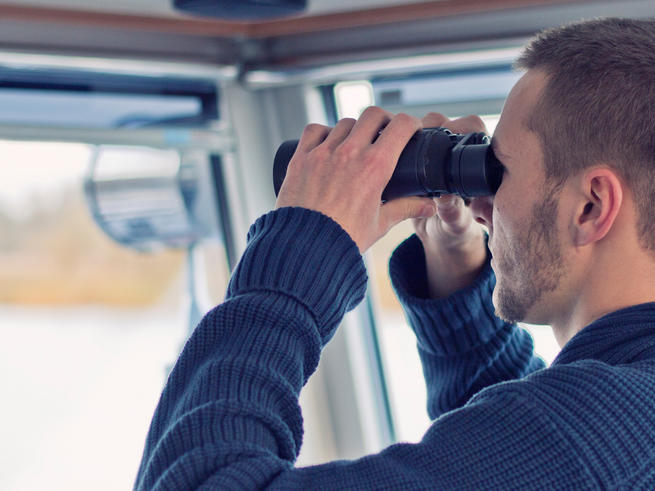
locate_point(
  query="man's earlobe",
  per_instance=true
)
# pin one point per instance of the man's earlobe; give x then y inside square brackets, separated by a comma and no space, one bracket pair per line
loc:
[603,196]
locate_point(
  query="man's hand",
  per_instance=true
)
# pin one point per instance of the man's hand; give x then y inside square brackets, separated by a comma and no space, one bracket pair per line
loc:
[342,172]
[452,240]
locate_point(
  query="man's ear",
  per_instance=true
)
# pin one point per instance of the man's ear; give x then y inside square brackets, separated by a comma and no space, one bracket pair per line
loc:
[602,196]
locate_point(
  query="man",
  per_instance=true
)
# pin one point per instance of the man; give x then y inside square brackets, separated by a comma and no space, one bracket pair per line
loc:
[573,246]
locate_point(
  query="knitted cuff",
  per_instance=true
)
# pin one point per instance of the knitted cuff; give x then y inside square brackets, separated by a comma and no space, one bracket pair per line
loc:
[307,256]
[445,326]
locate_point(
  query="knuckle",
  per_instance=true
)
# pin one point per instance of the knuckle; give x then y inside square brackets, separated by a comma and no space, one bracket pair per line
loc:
[347,152]
[405,118]
[347,121]
[315,129]
[375,111]
[475,122]
[435,115]
[368,111]
[435,119]
[372,110]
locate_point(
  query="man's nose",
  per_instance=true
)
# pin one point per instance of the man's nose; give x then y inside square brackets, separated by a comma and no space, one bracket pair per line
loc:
[482,209]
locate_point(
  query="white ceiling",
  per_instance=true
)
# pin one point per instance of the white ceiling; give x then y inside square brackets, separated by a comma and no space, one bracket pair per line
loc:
[163,7]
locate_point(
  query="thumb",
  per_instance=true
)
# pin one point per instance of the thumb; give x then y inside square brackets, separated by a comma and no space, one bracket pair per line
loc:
[397,210]
[455,216]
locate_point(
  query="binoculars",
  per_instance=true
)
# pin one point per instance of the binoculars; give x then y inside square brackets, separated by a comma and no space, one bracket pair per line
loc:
[435,161]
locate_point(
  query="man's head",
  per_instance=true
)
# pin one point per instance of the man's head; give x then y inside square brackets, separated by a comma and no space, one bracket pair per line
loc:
[577,131]
[599,104]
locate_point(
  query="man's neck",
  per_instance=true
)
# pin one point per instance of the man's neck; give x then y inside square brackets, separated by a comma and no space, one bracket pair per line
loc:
[606,288]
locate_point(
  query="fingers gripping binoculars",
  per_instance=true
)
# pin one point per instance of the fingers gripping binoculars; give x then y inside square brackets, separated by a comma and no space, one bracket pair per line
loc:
[435,161]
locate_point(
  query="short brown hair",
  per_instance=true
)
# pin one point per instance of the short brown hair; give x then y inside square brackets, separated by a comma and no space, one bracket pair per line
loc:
[598,106]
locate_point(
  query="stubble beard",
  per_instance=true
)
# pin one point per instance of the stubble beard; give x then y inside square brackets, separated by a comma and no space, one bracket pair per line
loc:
[531,266]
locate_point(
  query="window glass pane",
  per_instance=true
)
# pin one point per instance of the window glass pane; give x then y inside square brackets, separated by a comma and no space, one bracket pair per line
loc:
[403,371]
[90,99]
[352,98]
[450,87]
[397,342]
[477,90]
[88,328]
[50,108]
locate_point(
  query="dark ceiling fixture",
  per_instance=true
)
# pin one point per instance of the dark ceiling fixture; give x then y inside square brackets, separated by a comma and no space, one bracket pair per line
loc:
[245,10]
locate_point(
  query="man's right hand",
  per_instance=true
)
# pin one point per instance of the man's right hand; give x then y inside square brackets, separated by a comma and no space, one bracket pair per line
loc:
[453,241]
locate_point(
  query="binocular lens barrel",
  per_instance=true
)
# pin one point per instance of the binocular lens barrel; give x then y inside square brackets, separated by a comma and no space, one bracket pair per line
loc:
[434,162]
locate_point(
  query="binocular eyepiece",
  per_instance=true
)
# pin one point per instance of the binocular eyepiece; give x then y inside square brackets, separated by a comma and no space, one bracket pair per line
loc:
[435,161]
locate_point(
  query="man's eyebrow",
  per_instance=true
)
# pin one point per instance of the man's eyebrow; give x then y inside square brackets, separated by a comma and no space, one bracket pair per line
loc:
[497,151]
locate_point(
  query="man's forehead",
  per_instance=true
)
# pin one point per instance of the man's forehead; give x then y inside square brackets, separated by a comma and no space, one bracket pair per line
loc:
[518,109]
[526,93]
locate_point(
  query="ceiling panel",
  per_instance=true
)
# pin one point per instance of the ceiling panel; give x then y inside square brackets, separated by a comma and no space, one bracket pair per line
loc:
[164,8]
[411,28]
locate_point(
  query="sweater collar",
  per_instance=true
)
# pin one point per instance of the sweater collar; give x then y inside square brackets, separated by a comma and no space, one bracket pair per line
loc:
[624,336]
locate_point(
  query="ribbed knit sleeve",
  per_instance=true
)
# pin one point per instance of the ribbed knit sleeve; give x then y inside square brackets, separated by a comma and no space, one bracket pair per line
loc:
[229,414]
[463,346]
[307,256]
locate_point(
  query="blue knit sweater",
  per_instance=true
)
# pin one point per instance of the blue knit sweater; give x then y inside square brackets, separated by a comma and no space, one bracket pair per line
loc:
[229,418]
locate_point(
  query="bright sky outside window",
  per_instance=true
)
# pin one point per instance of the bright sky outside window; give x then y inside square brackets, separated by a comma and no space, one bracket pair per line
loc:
[398,345]
[88,328]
